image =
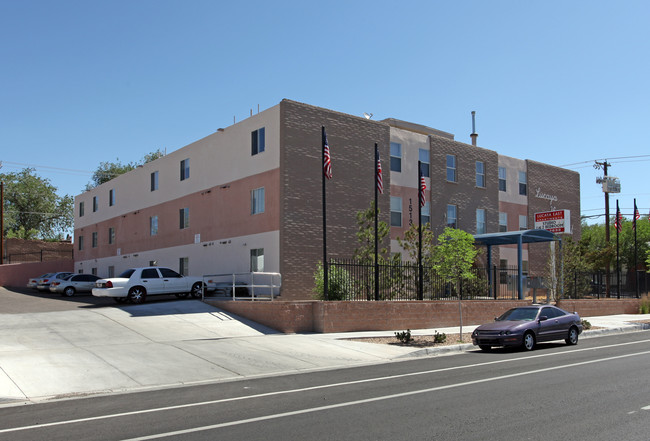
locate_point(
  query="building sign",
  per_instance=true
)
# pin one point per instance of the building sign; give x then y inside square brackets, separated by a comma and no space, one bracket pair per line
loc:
[558,221]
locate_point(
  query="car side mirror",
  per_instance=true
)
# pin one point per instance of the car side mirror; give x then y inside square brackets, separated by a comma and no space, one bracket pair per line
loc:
[543,318]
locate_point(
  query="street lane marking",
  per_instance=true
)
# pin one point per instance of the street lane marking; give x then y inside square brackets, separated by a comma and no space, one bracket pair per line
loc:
[375,399]
[645,408]
[310,388]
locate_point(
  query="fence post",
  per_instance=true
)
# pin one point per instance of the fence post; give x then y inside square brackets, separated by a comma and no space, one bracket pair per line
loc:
[494,269]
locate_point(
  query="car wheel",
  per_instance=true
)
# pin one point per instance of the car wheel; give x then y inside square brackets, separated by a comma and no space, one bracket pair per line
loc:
[197,290]
[485,347]
[572,339]
[529,341]
[137,295]
[68,291]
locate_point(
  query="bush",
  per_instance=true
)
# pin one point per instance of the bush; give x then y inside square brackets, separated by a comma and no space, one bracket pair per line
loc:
[338,286]
[644,305]
[439,338]
[404,336]
[585,324]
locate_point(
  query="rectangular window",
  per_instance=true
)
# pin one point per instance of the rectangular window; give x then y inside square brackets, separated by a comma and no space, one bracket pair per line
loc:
[94,239]
[184,216]
[480,174]
[426,213]
[424,162]
[81,209]
[80,240]
[183,266]
[258,143]
[451,168]
[395,157]
[111,235]
[481,227]
[111,271]
[95,204]
[503,222]
[395,211]
[523,222]
[452,216]
[93,271]
[523,183]
[153,225]
[154,181]
[111,197]
[257,260]
[257,201]
[502,179]
[185,169]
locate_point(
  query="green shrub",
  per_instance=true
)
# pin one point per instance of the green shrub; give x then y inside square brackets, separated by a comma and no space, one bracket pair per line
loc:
[404,336]
[644,305]
[439,338]
[585,324]
[338,286]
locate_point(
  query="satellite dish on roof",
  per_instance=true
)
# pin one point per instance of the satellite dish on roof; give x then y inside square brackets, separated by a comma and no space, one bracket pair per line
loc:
[367,115]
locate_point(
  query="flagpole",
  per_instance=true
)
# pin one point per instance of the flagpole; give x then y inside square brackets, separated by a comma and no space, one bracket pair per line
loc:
[420,284]
[376,222]
[325,272]
[618,267]
[636,265]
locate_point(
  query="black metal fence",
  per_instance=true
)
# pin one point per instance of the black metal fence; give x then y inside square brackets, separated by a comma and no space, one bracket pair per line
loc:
[38,256]
[354,280]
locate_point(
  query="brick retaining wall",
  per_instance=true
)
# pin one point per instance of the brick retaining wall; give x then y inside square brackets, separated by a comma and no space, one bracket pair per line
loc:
[316,316]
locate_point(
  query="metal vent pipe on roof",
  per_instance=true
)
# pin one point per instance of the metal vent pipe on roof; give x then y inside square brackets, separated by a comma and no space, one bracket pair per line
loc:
[474,135]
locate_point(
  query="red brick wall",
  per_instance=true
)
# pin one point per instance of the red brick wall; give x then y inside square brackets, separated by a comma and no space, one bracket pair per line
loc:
[315,316]
[17,274]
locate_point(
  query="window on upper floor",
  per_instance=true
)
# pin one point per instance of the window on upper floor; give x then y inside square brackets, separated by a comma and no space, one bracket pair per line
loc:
[451,168]
[503,222]
[154,181]
[395,157]
[153,225]
[502,179]
[523,222]
[481,224]
[395,211]
[94,239]
[257,201]
[424,162]
[258,142]
[111,235]
[81,209]
[185,169]
[426,213]
[523,183]
[184,218]
[111,197]
[80,243]
[480,174]
[95,204]
[452,216]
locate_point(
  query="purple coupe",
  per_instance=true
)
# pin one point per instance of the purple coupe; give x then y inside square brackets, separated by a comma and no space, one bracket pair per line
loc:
[528,325]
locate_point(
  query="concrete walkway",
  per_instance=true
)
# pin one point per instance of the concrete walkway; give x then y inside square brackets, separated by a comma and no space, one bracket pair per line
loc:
[71,353]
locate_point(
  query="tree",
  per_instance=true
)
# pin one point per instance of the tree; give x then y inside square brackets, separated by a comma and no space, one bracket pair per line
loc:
[453,259]
[33,209]
[366,236]
[410,244]
[109,170]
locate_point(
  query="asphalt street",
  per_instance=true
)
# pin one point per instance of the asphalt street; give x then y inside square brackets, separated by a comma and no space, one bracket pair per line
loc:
[597,390]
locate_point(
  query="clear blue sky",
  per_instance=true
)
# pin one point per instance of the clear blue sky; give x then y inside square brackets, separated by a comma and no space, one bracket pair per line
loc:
[561,82]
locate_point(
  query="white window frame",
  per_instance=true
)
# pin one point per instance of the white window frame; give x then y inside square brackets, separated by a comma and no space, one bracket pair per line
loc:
[153,225]
[503,222]
[258,141]
[480,174]
[396,208]
[454,209]
[257,260]
[258,200]
[523,222]
[503,179]
[481,221]
[424,158]
[184,218]
[453,168]
[395,157]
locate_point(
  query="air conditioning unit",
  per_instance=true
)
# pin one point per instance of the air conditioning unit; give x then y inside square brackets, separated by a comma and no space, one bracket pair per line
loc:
[611,184]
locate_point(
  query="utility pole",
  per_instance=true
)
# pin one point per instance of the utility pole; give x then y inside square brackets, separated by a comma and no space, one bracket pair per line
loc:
[597,166]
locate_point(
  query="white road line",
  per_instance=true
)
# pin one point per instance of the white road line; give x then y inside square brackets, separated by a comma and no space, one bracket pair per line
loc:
[370,400]
[305,389]
[645,408]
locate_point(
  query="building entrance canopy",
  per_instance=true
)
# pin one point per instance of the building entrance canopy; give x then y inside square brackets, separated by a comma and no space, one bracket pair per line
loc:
[510,238]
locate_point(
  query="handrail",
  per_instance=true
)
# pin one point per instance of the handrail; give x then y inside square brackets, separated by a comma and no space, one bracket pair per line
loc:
[275,283]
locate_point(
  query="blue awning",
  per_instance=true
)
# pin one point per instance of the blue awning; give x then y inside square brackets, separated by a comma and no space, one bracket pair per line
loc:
[512,237]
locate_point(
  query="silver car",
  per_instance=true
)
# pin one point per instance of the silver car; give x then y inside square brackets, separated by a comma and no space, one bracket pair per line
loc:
[44,283]
[73,284]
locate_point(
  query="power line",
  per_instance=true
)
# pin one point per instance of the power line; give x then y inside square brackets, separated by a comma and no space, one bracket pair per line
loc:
[605,159]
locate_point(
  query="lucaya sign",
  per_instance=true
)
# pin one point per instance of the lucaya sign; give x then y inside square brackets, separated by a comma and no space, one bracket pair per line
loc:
[558,221]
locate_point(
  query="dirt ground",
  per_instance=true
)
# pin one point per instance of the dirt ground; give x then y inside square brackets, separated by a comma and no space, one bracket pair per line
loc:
[420,341]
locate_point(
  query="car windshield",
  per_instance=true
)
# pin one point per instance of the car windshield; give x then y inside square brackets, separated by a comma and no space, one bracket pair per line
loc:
[68,277]
[525,314]
[127,274]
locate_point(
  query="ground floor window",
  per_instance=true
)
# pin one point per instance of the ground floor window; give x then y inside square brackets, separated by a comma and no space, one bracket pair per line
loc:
[257,260]
[183,265]
[111,271]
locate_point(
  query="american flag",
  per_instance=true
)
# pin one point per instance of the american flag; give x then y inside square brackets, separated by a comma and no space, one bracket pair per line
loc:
[618,223]
[423,186]
[380,181]
[636,216]
[327,163]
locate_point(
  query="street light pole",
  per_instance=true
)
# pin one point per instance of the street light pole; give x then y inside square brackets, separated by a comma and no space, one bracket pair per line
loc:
[597,166]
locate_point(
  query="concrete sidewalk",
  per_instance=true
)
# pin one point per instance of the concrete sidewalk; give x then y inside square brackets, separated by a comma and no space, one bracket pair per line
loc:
[137,347]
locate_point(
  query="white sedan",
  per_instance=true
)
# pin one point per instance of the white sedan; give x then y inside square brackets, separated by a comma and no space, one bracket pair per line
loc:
[136,284]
